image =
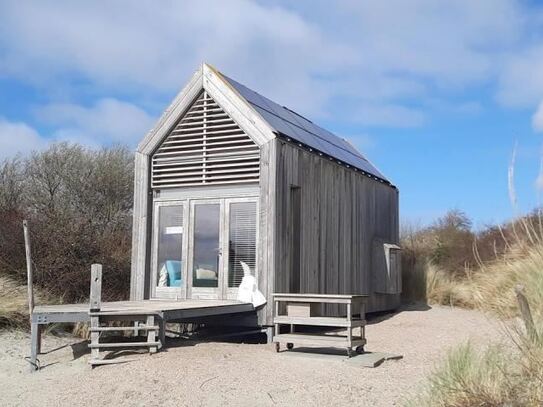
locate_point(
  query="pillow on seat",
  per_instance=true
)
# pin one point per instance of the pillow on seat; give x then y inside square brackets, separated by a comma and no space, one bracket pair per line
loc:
[174,272]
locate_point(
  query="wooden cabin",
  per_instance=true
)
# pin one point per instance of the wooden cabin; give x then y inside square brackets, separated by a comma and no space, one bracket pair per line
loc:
[228,177]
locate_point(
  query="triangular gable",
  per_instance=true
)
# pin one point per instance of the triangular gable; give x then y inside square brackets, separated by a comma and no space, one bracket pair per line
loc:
[208,79]
[206,147]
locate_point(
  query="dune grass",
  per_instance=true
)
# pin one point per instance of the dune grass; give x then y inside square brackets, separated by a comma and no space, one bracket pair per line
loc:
[496,376]
[492,287]
[13,304]
[507,373]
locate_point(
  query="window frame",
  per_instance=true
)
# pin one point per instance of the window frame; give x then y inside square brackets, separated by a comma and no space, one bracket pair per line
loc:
[187,199]
[230,293]
[168,292]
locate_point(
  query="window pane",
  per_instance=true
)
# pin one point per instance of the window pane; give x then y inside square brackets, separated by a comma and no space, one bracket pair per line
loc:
[242,241]
[170,246]
[206,245]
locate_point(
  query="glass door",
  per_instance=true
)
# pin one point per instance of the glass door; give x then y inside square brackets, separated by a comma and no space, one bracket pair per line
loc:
[222,246]
[169,248]
[206,250]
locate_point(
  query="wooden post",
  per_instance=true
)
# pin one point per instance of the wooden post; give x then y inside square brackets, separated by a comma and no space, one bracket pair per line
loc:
[96,287]
[95,300]
[162,332]
[151,334]
[29,277]
[525,312]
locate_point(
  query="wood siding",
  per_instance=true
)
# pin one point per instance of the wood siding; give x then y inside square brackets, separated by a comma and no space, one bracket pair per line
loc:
[267,229]
[342,212]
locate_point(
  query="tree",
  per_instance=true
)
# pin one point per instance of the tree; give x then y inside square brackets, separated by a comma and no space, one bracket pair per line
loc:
[78,202]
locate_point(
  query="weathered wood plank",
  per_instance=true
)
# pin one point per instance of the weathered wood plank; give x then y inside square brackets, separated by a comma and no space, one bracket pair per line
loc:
[99,346]
[316,340]
[96,287]
[525,312]
[29,276]
[342,212]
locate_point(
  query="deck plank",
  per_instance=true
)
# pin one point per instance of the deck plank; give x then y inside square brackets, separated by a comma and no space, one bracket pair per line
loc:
[178,309]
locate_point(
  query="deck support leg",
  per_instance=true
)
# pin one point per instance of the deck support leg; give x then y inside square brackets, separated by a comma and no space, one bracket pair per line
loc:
[95,337]
[349,329]
[151,334]
[35,345]
[39,328]
[269,334]
[162,332]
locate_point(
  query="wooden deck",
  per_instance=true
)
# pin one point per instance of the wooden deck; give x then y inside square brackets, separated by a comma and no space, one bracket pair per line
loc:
[156,313]
[165,309]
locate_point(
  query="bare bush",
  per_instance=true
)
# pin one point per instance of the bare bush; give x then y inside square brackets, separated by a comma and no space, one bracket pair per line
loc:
[78,202]
[437,259]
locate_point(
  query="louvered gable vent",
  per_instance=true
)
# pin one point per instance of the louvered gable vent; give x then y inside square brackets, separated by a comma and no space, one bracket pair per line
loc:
[206,147]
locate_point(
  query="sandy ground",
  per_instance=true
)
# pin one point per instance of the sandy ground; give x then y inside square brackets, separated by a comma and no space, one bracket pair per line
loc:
[237,374]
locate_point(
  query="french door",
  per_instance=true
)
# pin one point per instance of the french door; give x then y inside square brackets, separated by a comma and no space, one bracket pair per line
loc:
[202,247]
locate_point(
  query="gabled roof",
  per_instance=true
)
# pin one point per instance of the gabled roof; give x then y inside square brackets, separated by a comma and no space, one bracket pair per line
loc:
[262,119]
[288,123]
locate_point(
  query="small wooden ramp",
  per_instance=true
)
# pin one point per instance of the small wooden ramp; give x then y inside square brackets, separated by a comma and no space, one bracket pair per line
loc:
[366,359]
[99,320]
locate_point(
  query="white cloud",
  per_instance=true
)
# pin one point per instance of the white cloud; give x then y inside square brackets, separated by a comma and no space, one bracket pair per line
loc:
[108,120]
[521,81]
[137,45]
[18,137]
[451,43]
[305,58]
[537,118]
[388,116]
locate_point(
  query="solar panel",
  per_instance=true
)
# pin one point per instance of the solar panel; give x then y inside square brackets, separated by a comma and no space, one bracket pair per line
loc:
[292,125]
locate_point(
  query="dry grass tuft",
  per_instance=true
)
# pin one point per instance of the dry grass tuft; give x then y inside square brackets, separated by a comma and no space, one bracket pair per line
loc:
[498,376]
[492,287]
[14,304]
[14,308]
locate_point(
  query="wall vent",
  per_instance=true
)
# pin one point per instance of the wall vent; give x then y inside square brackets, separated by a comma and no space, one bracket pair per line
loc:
[206,147]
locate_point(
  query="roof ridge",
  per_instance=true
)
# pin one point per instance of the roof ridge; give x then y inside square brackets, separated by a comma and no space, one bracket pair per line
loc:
[287,122]
[359,154]
[296,113]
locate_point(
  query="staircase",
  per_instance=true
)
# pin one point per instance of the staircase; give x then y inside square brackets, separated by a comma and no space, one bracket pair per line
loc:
[141,321]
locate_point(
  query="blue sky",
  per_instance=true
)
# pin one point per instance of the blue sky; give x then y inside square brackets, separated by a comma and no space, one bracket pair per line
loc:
[435,93]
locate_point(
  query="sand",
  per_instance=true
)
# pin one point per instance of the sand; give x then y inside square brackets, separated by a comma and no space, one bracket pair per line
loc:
[239,374]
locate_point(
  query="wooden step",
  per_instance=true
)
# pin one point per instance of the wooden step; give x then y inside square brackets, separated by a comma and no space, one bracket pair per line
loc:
[319,321]
[339,341]
[124,345]
[127,313]
[124,328]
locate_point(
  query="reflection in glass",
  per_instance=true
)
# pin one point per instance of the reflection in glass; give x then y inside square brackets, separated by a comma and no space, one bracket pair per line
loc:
[170,246]
[206,245]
